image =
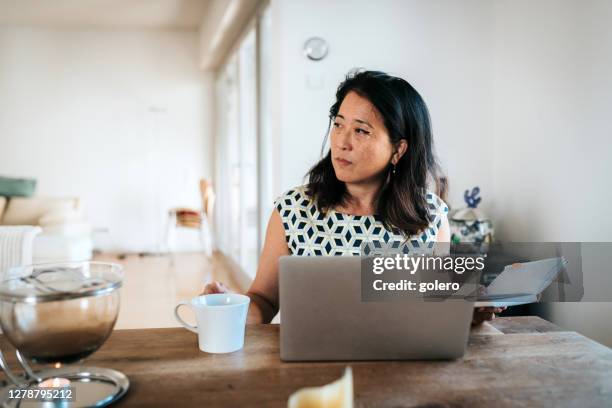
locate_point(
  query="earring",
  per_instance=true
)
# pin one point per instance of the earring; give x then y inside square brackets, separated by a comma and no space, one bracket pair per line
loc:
[394,169]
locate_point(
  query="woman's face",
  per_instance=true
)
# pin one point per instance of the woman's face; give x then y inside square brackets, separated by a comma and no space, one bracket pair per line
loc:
[361,148]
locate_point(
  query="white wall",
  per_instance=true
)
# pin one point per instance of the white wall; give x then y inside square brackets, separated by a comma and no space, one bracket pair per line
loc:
[438,47]
[519,94]
[117,117]
[553,98]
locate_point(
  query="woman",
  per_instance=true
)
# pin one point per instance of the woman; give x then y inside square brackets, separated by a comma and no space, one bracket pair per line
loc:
[371,184]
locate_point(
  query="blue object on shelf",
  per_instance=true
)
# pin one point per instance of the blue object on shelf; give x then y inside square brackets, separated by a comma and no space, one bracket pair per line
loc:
[471,199]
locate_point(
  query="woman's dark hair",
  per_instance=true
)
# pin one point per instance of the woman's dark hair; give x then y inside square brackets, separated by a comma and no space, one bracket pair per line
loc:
[401,203]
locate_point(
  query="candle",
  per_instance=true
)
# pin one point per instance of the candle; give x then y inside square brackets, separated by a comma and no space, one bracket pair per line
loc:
[338,394]
[56,382]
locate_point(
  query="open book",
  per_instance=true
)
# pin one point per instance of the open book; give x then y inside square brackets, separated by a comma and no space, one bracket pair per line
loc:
[521,283]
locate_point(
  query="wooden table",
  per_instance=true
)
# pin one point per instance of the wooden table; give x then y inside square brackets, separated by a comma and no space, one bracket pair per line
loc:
[531,363]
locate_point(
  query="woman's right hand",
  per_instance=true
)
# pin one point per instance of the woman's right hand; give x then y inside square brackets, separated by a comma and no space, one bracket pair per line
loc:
[214,287]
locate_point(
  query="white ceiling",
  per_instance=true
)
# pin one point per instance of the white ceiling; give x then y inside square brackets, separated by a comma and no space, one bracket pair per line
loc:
[154,14]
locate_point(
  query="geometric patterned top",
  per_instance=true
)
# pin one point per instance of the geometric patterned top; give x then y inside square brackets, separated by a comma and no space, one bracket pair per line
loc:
[308,232]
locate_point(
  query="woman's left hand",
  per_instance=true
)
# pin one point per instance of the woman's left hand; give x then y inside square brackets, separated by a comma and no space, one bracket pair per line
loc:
[482,314]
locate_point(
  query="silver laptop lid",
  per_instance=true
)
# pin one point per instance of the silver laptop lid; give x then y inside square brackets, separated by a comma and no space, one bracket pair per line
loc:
[324,318]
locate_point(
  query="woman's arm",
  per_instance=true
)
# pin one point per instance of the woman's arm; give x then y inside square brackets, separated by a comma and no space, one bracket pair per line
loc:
[264,289]
[481,314]
[444,234]
[442,247]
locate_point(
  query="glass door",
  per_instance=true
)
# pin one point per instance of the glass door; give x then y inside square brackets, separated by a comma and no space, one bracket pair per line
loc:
[237,155]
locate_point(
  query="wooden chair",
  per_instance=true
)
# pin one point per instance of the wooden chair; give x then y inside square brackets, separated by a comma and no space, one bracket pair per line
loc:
[199,219]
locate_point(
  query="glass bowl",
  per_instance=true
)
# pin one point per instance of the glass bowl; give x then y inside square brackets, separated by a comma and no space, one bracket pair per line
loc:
[60,312]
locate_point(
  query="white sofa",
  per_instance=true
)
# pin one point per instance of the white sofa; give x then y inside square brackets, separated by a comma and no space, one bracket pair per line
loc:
[65,236]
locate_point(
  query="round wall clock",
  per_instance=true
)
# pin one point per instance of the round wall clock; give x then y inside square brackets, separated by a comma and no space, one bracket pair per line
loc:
[316,48]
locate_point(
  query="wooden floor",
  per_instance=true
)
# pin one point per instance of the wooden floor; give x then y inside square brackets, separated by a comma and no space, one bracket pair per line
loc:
[154,284]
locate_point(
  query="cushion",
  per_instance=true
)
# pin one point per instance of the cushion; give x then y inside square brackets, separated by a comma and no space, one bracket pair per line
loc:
[2,206]
[15,187]
[27,211]
[60,217]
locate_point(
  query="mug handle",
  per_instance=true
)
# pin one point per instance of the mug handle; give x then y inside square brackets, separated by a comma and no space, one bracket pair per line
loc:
[181,321]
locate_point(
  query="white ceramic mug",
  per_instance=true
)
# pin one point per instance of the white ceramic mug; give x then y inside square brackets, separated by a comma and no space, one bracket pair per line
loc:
[221,318]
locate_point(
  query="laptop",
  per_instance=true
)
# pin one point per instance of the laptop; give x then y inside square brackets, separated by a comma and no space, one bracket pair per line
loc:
[324,319]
